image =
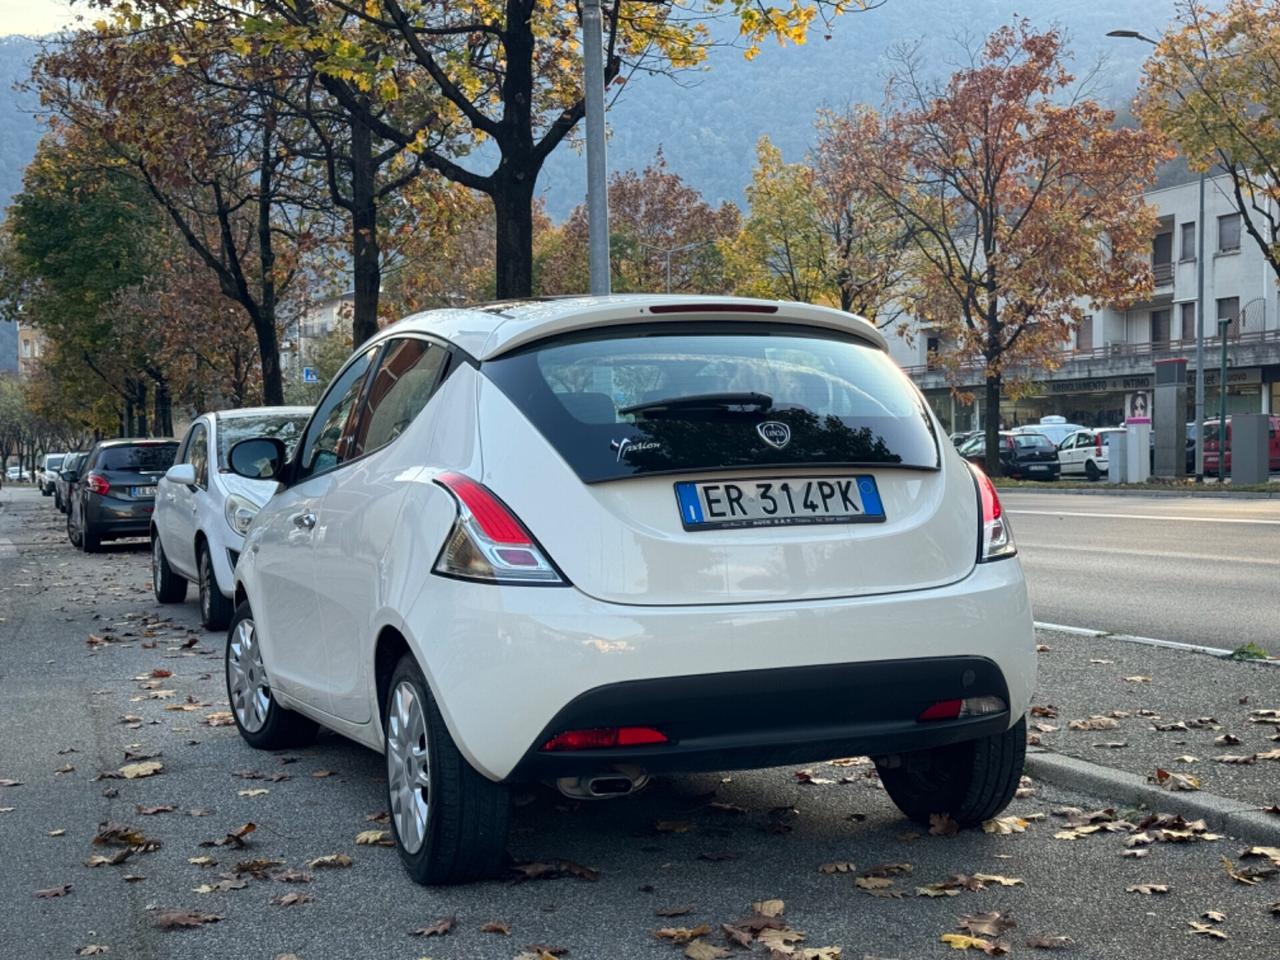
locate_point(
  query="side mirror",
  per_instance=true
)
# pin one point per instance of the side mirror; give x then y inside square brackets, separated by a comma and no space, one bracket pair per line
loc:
[260,458]
[70,476]
[183,474]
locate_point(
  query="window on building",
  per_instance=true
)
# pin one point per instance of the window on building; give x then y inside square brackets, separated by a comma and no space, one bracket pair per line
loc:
[1159,328]
[1229,233]
[1084,334]
[26,348]
[1162,257]
[1229,309]
[1187,243]
[1188,320]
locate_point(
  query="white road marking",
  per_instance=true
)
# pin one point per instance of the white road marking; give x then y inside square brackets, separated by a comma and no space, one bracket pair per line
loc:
[1140,516]
[1145,641]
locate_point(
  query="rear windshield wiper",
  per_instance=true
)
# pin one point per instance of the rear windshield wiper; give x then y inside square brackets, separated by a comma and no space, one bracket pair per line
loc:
[702,401]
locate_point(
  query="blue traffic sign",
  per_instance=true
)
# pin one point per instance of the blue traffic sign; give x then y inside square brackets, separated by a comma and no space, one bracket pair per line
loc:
[310,375]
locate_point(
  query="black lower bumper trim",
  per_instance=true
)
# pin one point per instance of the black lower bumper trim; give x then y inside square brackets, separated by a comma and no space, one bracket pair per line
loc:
[761,718]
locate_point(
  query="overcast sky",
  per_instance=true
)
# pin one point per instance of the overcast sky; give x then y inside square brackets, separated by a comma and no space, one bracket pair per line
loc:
[34,17]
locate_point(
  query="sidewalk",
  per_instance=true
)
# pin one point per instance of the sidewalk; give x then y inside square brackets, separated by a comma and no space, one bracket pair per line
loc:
[1209,491]
[1168,721]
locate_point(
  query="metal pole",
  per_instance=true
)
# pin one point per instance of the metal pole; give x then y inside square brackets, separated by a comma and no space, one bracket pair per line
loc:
[597,189]
[1199,434]
[1223,323]
[669,271]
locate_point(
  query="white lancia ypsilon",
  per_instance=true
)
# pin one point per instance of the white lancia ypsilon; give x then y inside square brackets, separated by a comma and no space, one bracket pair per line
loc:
[589,540]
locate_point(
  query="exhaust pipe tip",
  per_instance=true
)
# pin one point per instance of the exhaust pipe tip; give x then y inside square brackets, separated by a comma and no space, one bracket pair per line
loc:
[602,786]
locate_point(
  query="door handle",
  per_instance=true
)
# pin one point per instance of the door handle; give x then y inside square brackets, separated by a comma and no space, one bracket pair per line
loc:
[304,520]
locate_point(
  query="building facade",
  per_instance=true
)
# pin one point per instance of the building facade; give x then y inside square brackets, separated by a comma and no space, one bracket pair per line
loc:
[31,347]
[1113,353]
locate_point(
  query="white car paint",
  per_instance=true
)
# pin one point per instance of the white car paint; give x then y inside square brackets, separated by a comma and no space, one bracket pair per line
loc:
[1082,448]
[645,599]
[186,514]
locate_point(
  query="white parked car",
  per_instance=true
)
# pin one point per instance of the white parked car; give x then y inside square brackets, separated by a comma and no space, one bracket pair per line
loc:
[1086,453]
[590,540]
[47,472]
[202,509]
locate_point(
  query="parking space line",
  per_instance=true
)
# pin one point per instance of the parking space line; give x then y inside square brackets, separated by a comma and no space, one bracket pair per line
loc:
[1145,641]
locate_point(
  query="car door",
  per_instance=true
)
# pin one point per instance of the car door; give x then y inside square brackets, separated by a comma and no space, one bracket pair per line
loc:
[1070,454]
[287,611]
[182,503]
[360,509]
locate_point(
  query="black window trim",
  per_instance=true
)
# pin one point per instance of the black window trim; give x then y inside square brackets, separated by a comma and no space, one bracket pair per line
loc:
[202,425]
[455,357]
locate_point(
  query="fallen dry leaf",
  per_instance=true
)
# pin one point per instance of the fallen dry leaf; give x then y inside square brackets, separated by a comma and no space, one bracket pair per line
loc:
[703,950]
[222,886]
[1146,889]
[768,908]
[180,919]
[942,825]
[873,883]
[1203,929]
[962,941]
[437,929]
[1049,942]
[990,924]
[58,891]
[780,939]
[152,811]
[1214,916]
[737,936]
[253,792]
[93,950]
[1175,781]
[1003,825]
[374,838]
[236,838]
[291,899]
[219,718]
[838,866]
[330,861]
[496,926]
[551,869]
[1092,723]
[1227,740]
[682,934]
[147,768]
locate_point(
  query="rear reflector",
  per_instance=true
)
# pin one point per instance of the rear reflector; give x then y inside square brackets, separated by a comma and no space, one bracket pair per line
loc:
[604,738]
[960,709]
[943,710]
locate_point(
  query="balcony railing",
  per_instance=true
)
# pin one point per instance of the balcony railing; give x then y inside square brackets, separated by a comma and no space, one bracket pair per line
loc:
[1163,273]
[1169,348]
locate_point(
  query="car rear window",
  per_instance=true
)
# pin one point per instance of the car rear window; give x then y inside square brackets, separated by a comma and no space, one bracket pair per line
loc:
[287,428]
[769,396]
[54,461]
[141,458]
[1032,441]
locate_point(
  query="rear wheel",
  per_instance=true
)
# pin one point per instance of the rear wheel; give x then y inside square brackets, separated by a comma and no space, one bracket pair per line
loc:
[972,781]
[73,531]
[1091,471]
[450,823]
[262,722]
[167,585]
[57,501]
[216,610]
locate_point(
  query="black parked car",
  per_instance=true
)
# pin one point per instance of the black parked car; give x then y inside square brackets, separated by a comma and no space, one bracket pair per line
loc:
[1023,456]
[115,493]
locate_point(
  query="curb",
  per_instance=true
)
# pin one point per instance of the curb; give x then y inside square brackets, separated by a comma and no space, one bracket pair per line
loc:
[1102,491]
[1219,653]
[1232,817]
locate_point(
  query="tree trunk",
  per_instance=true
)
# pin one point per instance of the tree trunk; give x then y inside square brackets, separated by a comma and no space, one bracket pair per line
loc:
[991,428]
[264,317]
[513,211]
[162,418]
[366,269]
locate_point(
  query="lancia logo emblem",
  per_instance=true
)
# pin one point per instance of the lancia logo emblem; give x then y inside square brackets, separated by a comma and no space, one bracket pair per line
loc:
[775,433]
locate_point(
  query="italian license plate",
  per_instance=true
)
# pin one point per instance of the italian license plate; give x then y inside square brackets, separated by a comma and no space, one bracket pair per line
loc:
[1039,466]
[142,491]
[707,504]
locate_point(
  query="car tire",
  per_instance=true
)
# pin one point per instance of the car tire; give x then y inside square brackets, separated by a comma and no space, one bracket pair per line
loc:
[971,781]
[262,722]
[57,502]
[167,585]
[73,533]
[216,610]
[1091,471]
[455,831]
[45,491]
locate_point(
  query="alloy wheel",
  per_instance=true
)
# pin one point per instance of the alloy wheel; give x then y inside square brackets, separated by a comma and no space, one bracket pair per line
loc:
[408,766]
[206,574]
[246,678]
[157,558]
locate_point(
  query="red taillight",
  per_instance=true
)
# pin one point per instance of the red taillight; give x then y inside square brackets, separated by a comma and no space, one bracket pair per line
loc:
[713,308]
[97,483]
[494,519]
[604,738]
[995,539]
[1098,441]
[943,710]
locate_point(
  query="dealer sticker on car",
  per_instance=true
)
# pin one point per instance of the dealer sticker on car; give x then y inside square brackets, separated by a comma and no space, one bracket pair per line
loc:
[709,504]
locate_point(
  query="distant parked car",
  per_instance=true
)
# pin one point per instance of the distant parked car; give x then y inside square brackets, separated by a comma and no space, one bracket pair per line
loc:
[47,474]
[1211,445]
[66,478]
[116,492]
[1086,453]
[203,510]
[1023,456]
[959,439]
[17,475]
[1054,427]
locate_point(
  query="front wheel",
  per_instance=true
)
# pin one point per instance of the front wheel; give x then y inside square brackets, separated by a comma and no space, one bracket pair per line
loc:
[262,722]
[216,610]
[972,781]
[450,822]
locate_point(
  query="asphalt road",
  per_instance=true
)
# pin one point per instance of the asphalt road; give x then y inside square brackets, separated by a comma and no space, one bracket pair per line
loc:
[91,667]
[1194,570]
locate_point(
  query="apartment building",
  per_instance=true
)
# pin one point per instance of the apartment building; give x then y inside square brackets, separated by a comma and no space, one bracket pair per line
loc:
[31,347]
[1112,354]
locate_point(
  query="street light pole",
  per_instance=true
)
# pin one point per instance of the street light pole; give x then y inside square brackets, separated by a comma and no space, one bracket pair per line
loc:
[1200,235]
[667,252]
[597,189]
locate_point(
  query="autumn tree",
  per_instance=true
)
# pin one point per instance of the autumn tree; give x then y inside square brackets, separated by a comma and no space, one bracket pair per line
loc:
[508,74]
[1212,86]
[211,155]
[1021,199]
[663,236]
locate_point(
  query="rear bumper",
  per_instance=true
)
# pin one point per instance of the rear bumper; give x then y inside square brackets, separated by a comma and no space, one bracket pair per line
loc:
[738,685]
[768,718]
[119,518]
